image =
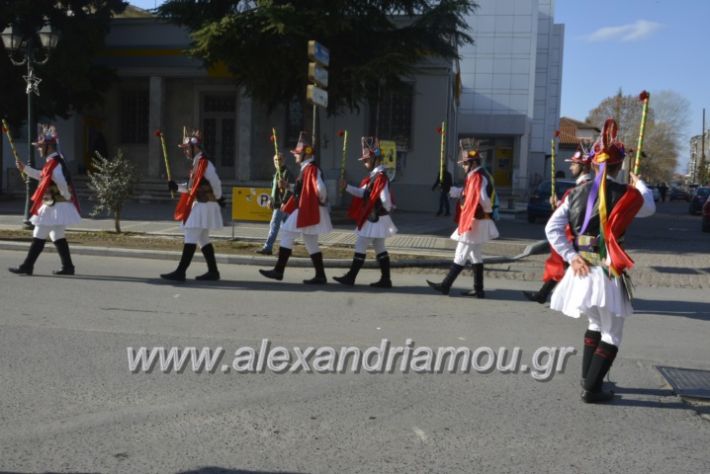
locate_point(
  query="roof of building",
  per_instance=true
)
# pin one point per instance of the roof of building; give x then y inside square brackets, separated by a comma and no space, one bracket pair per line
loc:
[569,128]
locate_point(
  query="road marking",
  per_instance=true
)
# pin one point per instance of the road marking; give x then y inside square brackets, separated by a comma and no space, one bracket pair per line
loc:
[422,435]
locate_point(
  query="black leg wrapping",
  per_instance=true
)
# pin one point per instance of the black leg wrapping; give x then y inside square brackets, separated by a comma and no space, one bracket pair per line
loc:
[477,282]
[544,292]
[28,265]
[64,255]
[278,272]
[188,251]
[591,342]
[212,272]
[448,280]
[601,363]
[319,279]
[349,278]
[385,281]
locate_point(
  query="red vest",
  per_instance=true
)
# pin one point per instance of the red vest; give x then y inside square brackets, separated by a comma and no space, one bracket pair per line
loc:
[360,208]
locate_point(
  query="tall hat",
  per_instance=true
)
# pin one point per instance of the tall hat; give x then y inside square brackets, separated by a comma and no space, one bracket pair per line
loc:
[370,148]
[194,138]
[46,135]
[608,149]
[468,150]
[303,146]
[582,156]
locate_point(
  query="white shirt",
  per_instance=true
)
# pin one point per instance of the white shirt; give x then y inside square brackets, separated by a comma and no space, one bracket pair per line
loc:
[210,175]
[57,176]
[484,200]
[385,196]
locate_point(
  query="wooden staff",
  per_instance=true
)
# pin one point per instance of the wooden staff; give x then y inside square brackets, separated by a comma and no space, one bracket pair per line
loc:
[643,97]
[6,129]
[344,134]
[552,166]
[275,139]
[442,152]
[160,135]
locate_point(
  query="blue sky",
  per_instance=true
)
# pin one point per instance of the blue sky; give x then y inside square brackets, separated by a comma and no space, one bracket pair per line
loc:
[633,45]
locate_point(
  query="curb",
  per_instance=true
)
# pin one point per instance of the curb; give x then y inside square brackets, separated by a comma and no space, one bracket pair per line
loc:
[532,249]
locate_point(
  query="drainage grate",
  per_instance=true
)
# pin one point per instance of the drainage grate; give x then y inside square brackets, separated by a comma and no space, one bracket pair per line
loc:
[687,382]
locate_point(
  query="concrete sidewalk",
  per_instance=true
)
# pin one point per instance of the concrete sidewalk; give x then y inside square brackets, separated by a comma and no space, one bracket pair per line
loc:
[419,233]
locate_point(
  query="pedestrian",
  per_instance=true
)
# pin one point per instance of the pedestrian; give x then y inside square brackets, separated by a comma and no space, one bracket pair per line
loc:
[663,189]
[307,210]
[54,203]
[581,169]
[198,209]
[475,225]
[596,284]
[370,208]
[280,192]
[445,185]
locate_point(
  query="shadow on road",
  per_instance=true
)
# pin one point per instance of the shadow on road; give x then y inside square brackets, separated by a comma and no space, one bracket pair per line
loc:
[687,309]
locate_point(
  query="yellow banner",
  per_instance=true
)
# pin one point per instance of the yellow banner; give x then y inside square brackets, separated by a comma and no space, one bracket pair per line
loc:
[251,204]
[389,156]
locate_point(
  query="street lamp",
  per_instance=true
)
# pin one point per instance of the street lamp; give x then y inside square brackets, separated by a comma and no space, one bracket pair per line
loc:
[21,50]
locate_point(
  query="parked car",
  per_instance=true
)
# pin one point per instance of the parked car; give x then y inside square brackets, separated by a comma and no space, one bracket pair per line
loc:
[678,194]
[699,198]
[539,203]
[656,193]
[706,215]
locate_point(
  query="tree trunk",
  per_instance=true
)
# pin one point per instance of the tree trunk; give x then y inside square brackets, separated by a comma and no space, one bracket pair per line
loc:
[117,219]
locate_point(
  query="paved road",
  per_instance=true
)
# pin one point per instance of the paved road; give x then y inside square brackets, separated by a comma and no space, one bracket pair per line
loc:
[70,404]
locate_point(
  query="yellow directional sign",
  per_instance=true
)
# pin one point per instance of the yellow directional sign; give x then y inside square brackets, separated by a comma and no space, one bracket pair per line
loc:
[251,204]
[389,156]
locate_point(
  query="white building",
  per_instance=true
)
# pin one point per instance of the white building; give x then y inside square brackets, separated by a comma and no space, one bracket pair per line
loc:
[511,79]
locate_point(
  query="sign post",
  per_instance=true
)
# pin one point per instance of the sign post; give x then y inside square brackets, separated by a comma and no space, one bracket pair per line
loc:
[316,92]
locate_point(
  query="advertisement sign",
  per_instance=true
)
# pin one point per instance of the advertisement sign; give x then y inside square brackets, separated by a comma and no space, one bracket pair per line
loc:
[251,204]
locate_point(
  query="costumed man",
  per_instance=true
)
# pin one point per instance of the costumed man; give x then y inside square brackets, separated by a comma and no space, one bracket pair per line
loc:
[54,203]
[308,214]
[581,169]
[475,225]
[280,193]
[370,208]
[596,284]
[198,209]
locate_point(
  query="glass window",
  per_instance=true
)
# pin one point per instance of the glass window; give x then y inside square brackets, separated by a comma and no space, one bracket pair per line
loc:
[391,119]
[134,116]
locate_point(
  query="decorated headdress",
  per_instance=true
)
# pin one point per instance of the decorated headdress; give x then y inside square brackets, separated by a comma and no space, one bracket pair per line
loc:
[194,138]
[46,135]
[582,156]
[370,148]
[303,146]
[468,150]
[608,150]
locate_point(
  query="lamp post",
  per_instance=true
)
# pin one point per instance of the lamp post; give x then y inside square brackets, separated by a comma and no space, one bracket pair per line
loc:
[22,49]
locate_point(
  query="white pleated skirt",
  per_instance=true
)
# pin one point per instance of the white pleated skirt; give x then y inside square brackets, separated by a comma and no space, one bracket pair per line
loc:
[481,232]
[383,228]
[323,227]
[204,215]
[61,213]
[574,294]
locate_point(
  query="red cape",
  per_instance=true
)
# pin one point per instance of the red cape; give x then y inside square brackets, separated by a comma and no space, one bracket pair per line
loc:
[555,264]
[308,200]
[184,205]
[360,208]
[472,194]
[621,216]
[45,181]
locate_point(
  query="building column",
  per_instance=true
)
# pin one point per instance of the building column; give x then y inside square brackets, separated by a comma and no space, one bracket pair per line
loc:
[156,106]
[242,170]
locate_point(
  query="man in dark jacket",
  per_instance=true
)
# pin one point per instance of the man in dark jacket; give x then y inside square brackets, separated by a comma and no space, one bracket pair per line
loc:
[445,185]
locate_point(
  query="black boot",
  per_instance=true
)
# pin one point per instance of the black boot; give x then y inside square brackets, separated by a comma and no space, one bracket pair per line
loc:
[591,342]
[28,265]
[64,255]
[385,280]
[601,363]
[477,291]
[212,272]
[349,278]
[188,250]
[446,283]
[541,295]
[278,272]
[319,279]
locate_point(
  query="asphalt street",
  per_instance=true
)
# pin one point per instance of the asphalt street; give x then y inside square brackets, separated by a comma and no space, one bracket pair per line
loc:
[70,403]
